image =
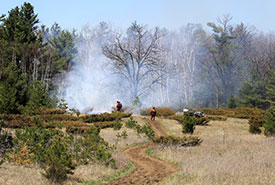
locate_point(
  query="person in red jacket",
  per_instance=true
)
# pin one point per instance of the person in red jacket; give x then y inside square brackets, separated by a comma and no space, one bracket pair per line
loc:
[153,113]
[118,106]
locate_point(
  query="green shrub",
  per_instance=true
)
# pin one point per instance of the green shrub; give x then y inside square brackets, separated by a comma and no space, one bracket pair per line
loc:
[58,161]
[6,142]
[117,125]
[188,124]
[148,131]
[131,123]
[92,148]
[201,121]
[269,124]
[124,134]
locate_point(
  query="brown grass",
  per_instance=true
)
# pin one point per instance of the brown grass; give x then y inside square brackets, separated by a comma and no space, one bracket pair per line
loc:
[243,158]
[109,135]
[91,173]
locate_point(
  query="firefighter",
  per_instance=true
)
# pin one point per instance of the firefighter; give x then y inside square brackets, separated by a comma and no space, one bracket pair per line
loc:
[153,113]
[118,106]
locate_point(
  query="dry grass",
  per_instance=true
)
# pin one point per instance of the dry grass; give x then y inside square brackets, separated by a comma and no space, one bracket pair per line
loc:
[17,175]
[87,174]
[243,159]
[109,135]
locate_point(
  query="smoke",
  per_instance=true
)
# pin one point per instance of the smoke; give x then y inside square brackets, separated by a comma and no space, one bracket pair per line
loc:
[89,87]
[92,85]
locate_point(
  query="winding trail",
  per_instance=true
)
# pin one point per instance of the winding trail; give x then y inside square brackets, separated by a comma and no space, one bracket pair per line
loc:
[148,170]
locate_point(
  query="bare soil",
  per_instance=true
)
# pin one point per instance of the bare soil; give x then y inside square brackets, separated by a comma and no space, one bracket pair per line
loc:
[148,170]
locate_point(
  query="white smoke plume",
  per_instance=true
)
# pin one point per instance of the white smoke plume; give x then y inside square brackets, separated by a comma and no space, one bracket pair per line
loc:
[88,86]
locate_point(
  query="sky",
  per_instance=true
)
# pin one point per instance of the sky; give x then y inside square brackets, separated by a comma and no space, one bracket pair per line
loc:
[171,14]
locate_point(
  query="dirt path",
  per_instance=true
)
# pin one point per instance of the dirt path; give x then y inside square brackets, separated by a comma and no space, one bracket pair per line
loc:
[148,170]
[158,128]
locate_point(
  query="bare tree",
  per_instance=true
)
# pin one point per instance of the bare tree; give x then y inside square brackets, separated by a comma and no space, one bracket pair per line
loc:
[135,57]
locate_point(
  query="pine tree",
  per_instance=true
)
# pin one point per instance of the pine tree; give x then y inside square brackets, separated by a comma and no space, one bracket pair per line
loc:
[269,124]
[231,104]
[253,94]
[270,93]
[10,89]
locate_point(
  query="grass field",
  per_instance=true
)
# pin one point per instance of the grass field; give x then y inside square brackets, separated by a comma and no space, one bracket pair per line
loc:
[242,158]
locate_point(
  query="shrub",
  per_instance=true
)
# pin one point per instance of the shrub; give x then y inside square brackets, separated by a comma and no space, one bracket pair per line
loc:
[22,157]
[91,147]
[269,124]
[47,111]
[239,112]
[178,141]
[255,122]
[161,111]
[131,123]
[124,134]
[117,125]
[188,124]
[6,142]
[105,117]
[201,121]
[58,161]
[148,131]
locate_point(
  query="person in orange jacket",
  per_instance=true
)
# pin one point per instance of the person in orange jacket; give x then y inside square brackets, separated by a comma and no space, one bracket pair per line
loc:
[153,113]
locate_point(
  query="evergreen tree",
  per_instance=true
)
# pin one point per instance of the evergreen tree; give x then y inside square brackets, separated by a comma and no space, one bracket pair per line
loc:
[10,89]
[37,97]
[220,65]
[231,104]
[270,93]
[269,124]
[253,94]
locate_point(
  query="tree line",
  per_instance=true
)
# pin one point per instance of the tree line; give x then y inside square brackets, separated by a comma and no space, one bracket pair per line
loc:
[189,67]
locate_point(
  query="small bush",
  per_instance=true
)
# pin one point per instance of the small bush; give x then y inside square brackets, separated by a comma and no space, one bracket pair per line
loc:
[131,123]
[255,122]
[117,125]
[22,157]
[6,142]
[124,134]
[148,131]
[201,121]
[188,124]
[92,148]
[58,161]
[269,124]
[178,141]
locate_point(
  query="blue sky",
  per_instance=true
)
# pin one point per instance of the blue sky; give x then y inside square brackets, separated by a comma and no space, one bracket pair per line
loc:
[171,14]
